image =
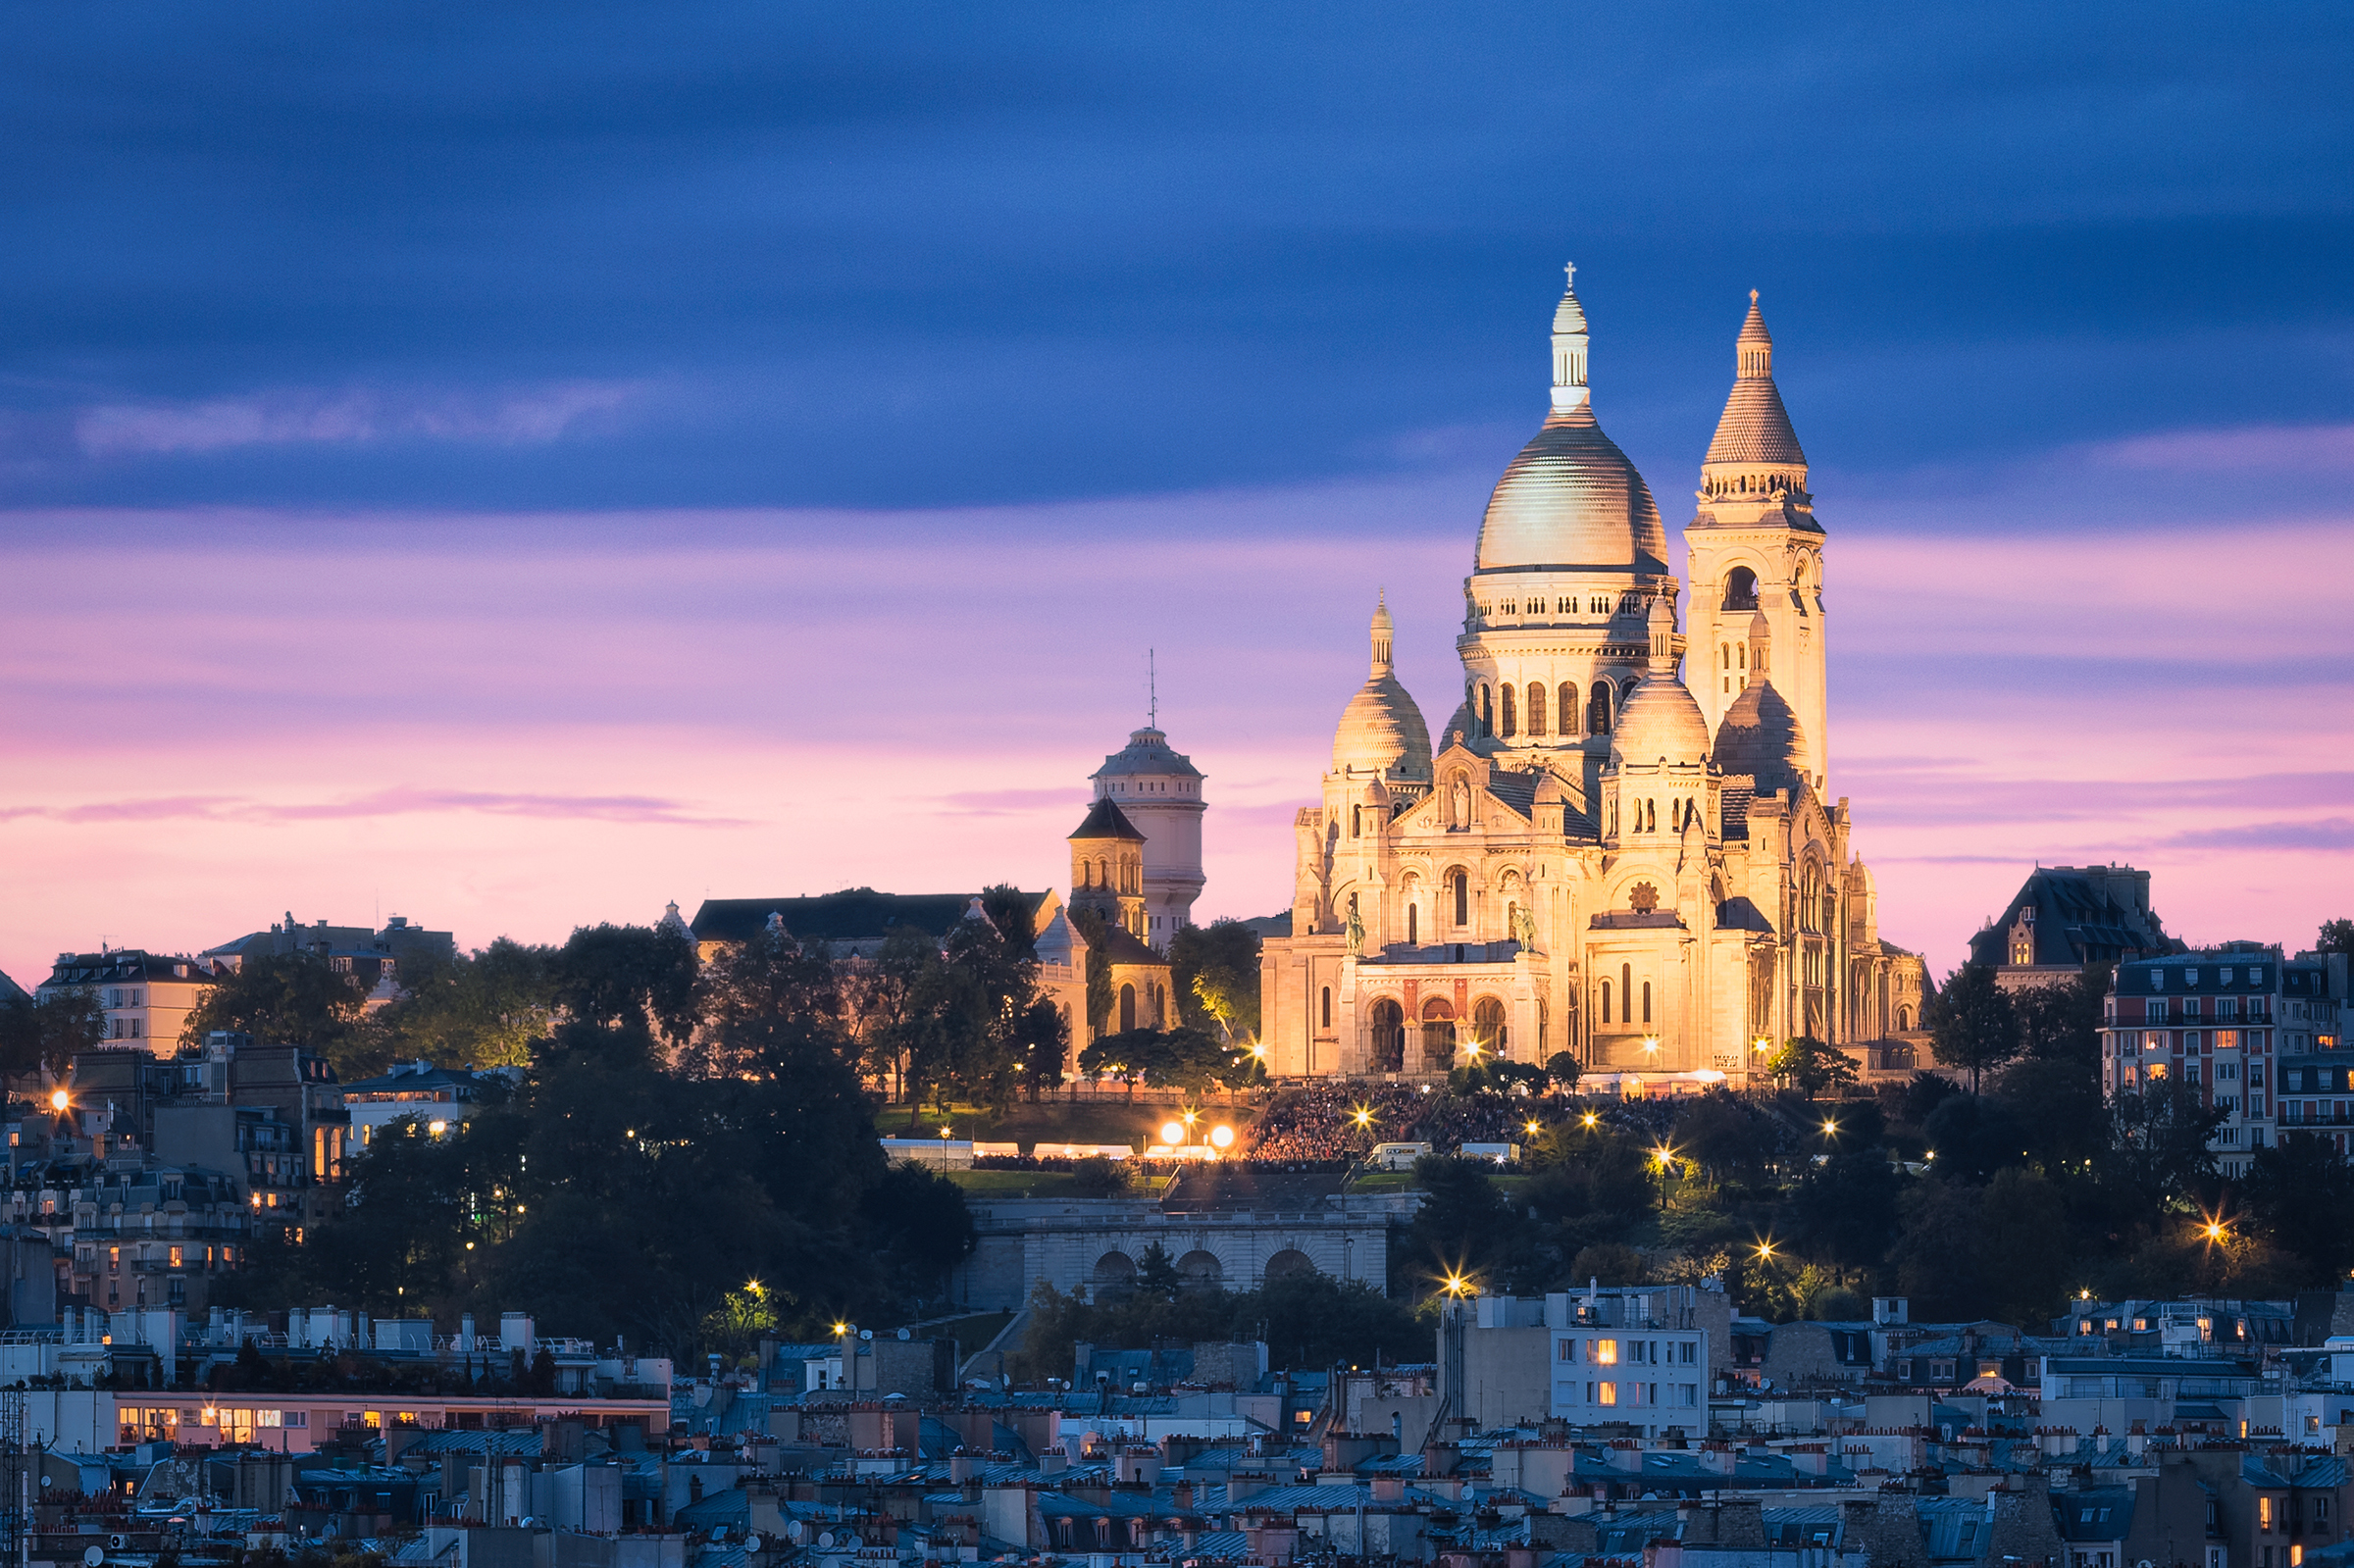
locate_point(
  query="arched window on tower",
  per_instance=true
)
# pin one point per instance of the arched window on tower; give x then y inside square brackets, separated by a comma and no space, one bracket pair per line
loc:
[1741,589]
[1510,729]
[1487,712]
[1357,822]
[1127,1008]
[1605,1001]
[1411,935]
[1536,708]
[1327,1007]
[1598,709]
[1647,1001]
[1462,896]
[1569,730]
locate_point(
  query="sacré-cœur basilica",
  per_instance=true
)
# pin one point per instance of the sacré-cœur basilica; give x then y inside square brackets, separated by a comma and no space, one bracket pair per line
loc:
[1623,842]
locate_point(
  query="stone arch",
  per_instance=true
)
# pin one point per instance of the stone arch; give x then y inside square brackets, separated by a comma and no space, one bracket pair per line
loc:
[1200,1270]
[1115,1277]
[1386,1047]
[1598,709]
[1290,1263]
[1740,588]
[1489,1032]
[1438,1035]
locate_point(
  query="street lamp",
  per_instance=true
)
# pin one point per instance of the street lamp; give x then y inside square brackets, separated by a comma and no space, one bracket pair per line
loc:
[1765,1250]
[1531,1129]
[1592,1119]
[1221,1137]
[1457,1285]
[58,1099]
[1363,1116]
[1651,1043]
[1830,1129]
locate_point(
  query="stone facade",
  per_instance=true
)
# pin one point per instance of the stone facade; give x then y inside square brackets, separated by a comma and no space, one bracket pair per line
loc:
[1599,859]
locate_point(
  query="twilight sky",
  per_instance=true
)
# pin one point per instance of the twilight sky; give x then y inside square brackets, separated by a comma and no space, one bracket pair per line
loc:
[513,465]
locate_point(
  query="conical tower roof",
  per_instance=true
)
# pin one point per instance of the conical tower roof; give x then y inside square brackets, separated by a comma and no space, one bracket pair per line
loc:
[1106,821]
[1754,430]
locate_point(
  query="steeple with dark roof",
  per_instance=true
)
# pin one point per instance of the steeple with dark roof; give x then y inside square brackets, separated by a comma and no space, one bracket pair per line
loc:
[1107,868]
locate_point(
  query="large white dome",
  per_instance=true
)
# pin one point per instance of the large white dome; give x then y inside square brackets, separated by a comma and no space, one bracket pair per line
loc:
[1571,498]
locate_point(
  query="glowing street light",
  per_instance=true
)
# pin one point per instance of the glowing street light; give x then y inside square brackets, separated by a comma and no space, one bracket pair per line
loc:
[1651,1043]
[1363,1116]
[1457,1285]
[1221,1137]
[1765,1250]
[58,1099]
[841,1328]
[1189,1117]
[1533,1129]
[1592,1119]
[2214,1230]
[1830,1129]
[1172,1134]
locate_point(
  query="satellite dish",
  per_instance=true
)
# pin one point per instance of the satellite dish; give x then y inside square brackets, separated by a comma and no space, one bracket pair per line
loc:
[825,1539]
[752,1543]
[794,1530]
[94,1556]
[905,1335]
[866,1334]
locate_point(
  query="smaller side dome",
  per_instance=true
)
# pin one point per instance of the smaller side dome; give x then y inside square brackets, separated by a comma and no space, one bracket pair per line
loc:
[1382,729]
[1660,723]
[1760,736]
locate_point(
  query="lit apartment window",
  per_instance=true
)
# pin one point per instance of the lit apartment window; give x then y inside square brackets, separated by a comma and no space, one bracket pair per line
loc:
[1604,1352]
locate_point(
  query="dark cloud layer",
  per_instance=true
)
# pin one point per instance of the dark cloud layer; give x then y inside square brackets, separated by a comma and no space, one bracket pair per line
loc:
[582,256]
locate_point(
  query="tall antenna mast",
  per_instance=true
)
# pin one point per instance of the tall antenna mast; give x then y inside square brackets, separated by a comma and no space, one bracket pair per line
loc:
[1153,687]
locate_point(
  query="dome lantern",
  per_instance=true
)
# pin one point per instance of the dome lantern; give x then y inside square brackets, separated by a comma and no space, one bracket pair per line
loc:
[1570,340]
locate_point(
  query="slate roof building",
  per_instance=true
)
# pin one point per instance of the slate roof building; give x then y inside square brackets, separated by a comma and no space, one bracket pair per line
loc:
[1623,843]
[2065,917]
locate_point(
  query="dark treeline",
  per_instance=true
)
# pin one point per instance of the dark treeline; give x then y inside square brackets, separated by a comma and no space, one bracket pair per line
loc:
[690,1157]
[2000,1203]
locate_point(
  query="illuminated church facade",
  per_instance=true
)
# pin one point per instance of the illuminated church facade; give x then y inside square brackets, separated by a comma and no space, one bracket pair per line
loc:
[1622,841]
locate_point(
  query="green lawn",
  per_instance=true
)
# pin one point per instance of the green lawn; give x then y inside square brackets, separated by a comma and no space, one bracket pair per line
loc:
[1032,1183]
